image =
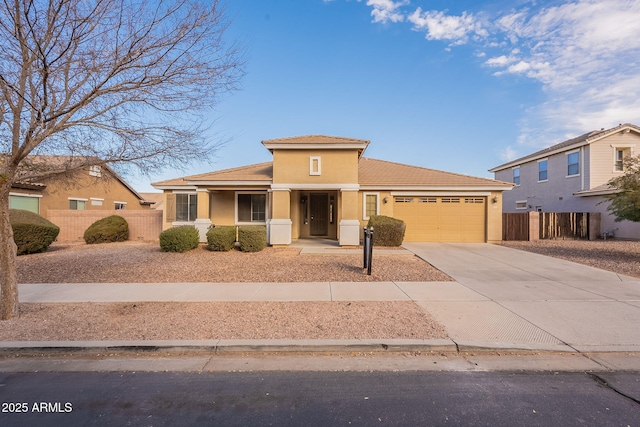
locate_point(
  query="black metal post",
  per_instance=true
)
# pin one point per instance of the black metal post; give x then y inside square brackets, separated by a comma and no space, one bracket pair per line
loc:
[365,252]
[370,251]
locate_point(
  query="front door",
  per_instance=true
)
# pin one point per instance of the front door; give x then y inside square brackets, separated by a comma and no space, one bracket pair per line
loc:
[319,207]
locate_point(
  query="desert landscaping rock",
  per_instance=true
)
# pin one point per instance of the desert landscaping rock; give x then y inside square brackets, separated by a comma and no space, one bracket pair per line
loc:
[220,320]
[133,262]
[619,256]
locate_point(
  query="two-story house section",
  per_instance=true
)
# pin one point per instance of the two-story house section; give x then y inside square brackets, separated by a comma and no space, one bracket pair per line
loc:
[572,176]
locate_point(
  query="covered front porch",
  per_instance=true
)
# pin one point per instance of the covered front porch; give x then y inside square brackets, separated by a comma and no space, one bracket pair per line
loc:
[313,214]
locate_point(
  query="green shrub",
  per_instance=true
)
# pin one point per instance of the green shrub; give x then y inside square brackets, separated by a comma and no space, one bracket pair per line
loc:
[113,228]
[252,238]
[31,232]
[387,231]
[179,239]
[221,239]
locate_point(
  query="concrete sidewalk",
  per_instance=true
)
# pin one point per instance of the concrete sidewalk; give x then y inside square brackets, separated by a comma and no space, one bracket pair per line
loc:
[502,299]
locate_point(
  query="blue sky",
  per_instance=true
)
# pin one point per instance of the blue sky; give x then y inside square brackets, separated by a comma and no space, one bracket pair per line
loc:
[460,86]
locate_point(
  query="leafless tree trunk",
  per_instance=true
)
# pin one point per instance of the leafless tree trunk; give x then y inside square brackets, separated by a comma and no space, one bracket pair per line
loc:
[123,82]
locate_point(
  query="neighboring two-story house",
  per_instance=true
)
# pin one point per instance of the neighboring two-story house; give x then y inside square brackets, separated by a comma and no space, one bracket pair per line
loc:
[322,186]
[572,176]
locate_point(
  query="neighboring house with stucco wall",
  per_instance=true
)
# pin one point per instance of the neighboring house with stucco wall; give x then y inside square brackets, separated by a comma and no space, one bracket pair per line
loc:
[322,186]
[85,188]
[573,176]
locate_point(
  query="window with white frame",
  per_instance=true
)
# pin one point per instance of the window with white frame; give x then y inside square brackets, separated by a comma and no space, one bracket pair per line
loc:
[516,175]
[573,163]
[25,202]
[521,204]
[371,205]
[77,204]
[186,207]
[251,207]
[120,206]
[315,166]
[619,162]
[542,170]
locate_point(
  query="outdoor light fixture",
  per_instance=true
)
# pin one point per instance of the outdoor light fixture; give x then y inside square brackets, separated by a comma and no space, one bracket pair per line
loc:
[386,200]
[495,199]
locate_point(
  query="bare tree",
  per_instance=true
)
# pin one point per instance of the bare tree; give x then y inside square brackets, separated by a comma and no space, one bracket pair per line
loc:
[123,82]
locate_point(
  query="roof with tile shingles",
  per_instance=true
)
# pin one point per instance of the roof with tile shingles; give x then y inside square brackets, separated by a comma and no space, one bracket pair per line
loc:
[371,173]
[584,139]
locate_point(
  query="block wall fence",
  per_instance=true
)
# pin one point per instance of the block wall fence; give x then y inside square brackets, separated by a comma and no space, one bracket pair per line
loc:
[143,225]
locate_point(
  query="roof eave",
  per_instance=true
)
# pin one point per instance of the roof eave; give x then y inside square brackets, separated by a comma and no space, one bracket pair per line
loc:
[441,188]
[627,127]
[528,159]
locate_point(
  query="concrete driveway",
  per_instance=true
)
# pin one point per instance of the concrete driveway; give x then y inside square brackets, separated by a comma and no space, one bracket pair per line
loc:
[511,296]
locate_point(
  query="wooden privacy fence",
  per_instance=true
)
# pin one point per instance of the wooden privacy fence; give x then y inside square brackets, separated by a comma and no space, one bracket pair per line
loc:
[144,225]
[550,225]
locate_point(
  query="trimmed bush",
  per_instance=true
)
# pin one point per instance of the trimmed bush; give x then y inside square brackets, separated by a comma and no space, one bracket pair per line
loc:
[221,239]
[31,232]
[387,231]
[252,238]
[179,239]
[113,228]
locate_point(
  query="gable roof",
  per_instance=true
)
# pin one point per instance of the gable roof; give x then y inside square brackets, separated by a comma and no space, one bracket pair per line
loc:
[259,173]
[316,141]
[383,174]
[570,144]
[60,164]
[372,173]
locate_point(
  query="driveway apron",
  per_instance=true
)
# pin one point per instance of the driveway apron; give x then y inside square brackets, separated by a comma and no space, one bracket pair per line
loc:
[531,299]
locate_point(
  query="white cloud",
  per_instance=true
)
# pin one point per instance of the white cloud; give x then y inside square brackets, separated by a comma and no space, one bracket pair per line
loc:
[438,26]
[584,53]
[499,61]
[508,153]
[387,10]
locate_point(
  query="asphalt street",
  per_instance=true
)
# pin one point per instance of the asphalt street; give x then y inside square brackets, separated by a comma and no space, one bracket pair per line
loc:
[320,398]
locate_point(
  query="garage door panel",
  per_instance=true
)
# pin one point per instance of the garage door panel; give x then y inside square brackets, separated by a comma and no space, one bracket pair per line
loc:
[442,219]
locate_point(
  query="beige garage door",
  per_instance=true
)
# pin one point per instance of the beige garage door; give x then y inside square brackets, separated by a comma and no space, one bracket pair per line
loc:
[442,219]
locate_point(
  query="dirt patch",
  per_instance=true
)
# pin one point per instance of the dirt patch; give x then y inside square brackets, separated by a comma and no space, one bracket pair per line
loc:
[133,262]
[220,320]
[619,256]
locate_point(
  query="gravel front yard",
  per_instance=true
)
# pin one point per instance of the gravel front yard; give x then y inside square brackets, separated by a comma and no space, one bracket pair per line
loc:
[143,262]
[133,262]
[619,256]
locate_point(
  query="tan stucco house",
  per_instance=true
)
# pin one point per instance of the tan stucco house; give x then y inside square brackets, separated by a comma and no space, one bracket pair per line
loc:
[87,188]
[322,186]
[573,176]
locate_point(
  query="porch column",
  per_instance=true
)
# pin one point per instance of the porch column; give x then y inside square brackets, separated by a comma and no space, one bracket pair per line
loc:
[279,226]
[203,219]
[349,223]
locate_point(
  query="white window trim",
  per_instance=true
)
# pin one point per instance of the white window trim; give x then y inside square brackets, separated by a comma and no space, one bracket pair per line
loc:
[119,203]
[364,204]
[24,194]
[519,176]
[521,201]
[616,147]
[579,163]
[318,161]
[78,199]
[266,207]
[178,223]
[540,161]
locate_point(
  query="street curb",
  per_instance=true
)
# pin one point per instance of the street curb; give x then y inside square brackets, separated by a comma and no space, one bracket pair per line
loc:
[231,346]
[282,346]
